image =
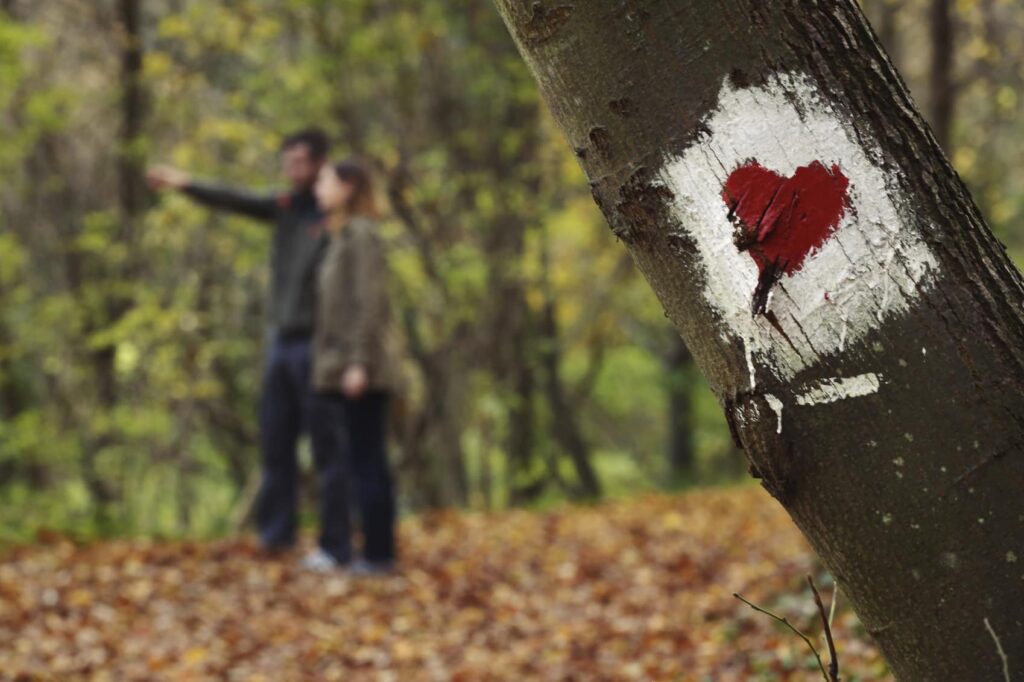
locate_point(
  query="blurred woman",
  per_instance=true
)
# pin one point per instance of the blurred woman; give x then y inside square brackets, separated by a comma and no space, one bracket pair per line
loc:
[354,372]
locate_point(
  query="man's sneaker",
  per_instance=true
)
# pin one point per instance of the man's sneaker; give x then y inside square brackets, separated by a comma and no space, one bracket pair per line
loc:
[364,568]
[320,561]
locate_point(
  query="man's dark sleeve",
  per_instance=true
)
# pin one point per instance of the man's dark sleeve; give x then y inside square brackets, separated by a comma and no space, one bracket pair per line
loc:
[260,207]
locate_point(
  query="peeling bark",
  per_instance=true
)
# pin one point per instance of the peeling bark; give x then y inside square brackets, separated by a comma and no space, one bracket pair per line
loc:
[878,389]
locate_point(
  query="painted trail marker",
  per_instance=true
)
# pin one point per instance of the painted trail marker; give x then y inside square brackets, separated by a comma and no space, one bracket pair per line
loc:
[780,221]
[803,238]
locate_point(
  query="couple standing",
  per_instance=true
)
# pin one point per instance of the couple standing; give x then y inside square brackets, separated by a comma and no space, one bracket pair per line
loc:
[330,366]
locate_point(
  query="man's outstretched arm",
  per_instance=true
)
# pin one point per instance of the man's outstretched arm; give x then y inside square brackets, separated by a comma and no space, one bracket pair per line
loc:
[260,207]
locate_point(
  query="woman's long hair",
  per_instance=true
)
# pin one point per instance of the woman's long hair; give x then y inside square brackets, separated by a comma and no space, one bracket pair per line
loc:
[363,201]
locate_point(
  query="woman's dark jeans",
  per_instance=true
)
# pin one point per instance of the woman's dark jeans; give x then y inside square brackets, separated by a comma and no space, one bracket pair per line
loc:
[350,447]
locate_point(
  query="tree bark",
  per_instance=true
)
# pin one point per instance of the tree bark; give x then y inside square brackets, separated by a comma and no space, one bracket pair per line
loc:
[874,372]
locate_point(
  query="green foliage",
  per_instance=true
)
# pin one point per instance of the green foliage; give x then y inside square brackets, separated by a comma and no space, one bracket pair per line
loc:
[491,230]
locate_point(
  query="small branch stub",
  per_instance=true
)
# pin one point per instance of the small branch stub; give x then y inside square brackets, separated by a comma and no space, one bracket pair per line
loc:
[544,23]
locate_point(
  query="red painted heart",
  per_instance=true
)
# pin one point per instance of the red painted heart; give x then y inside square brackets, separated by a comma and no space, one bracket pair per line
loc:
[779,220]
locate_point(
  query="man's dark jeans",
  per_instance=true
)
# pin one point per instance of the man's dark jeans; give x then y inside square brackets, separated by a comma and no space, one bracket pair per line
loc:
[289,407]
[284,415]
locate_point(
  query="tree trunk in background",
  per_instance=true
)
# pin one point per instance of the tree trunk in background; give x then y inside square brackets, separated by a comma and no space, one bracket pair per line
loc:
[519,448]
[888,29]
[565,427]
[131,184]
[131,188]
[12,401]
[994,72]
[432,446]
[507,345]
[564,422]
[681,455]
[943,89]
[445,404]
[833,279]
[131,196]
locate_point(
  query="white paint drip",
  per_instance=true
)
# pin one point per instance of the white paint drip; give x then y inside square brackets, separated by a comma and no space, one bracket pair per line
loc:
[750,364]
[870,269]
[776,406]
[839,388]
[999,650]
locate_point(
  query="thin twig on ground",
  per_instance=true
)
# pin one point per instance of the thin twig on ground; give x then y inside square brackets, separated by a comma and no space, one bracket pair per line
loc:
[784,621]
[833,664]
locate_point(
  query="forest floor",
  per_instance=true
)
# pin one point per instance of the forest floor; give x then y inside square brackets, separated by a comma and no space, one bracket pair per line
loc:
[640,589]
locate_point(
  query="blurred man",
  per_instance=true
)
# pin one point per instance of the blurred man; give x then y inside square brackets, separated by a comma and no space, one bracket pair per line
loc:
[298,245]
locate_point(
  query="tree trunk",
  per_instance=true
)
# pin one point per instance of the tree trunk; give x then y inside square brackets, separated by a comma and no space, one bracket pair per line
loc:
[445,405]
[131,194]
[565,427]
[888,28]
[131,187]
[564,423]
[681,456]
[521,438]
[943,89]
[861,326]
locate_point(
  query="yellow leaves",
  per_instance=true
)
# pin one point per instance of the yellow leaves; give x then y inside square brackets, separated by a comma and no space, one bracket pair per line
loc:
[1007,99]
[13,258]
[632,590]
[1004,209]
[673,521]
[158,64]
[79,598]
[966,6]
[205,24]
[174,26]
[979,49]
[964,158]
[264,29]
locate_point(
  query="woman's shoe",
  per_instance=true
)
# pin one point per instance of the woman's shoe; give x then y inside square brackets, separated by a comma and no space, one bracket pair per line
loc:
[321,562]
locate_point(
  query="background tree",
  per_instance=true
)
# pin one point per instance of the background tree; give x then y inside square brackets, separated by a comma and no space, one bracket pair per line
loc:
[493,238]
